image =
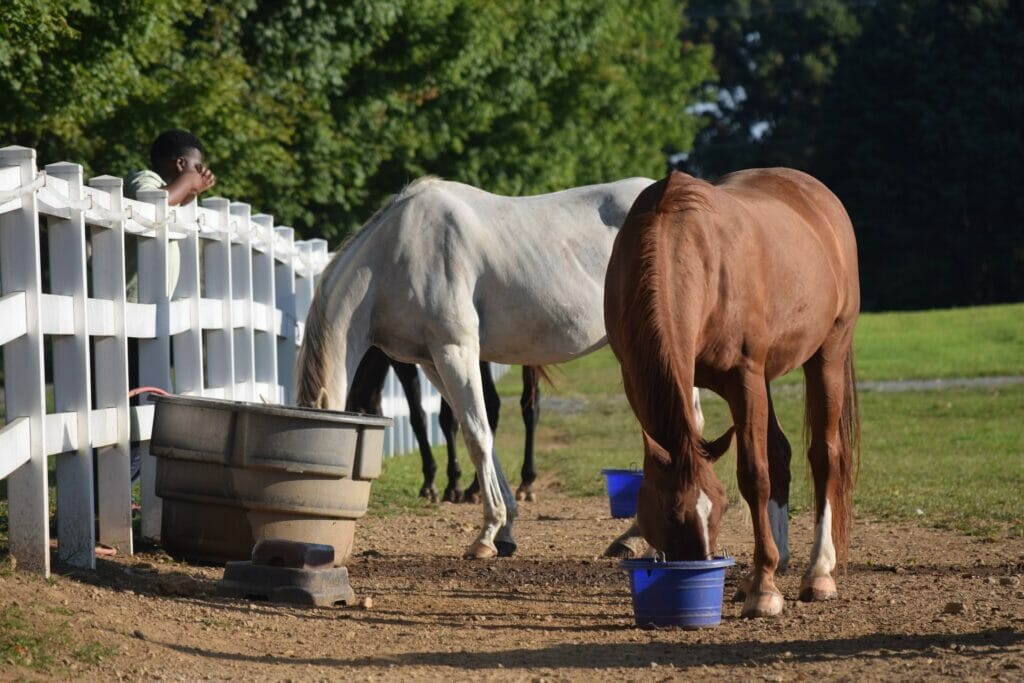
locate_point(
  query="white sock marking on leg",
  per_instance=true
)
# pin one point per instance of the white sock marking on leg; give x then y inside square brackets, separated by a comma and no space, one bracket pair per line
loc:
[704,506]
[823,554]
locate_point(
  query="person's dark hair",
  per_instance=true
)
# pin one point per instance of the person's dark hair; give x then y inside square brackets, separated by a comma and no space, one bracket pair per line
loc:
[171,144]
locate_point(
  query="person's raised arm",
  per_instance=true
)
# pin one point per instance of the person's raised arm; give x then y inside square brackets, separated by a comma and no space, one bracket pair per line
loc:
[189,185]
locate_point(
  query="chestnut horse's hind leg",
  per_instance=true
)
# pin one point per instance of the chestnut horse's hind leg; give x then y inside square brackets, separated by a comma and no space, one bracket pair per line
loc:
[779,456]
[529,403]
[748,402]
[825,375]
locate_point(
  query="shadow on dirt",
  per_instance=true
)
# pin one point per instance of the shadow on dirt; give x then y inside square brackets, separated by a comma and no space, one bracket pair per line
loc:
[878,647]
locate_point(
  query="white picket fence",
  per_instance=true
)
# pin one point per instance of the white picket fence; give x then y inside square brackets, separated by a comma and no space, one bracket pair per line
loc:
[239,303]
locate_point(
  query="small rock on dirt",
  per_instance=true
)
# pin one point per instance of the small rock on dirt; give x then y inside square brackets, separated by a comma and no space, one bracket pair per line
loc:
[954,608]
[366,603]
[1009,580]
[139,634]
[177,584]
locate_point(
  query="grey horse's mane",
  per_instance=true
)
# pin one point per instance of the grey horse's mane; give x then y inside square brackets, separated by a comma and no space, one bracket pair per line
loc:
[312,365]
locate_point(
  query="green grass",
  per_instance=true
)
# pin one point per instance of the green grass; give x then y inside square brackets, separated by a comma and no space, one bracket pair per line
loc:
[952,459]
[32,638]
[960,342]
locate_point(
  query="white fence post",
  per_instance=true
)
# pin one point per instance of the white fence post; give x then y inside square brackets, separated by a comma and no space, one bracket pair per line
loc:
[264,303]
[305,285]
[186,315]
[72,381]
[220,344]
[284,293]
[241,291]
[110,360]
[155,352]
[27,486]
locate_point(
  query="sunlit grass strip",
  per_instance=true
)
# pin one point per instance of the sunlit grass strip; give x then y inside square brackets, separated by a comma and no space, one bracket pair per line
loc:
[959,342]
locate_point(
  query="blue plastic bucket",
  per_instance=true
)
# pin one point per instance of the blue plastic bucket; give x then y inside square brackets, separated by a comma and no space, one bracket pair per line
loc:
[687,594]
[623,489]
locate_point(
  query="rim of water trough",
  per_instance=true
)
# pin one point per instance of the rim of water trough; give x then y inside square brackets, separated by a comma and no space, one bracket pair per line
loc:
[274,410]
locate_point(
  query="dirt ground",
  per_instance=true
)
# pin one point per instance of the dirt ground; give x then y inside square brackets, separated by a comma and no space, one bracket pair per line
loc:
[916,604]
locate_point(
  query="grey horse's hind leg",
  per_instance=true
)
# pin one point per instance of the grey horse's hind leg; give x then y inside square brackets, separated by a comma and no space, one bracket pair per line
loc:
[456,370]
[529,404]
[503,541]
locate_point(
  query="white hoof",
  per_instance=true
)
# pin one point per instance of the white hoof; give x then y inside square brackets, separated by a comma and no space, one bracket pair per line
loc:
[480,550]
[763,604]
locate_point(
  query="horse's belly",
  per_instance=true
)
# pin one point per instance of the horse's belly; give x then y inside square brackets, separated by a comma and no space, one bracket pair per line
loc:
[798,332]
[537,336]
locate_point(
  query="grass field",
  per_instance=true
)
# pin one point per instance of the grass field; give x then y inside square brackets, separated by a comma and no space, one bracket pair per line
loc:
[952,458]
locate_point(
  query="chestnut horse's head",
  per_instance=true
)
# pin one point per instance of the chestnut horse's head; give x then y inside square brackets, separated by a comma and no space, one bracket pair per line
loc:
[681,499]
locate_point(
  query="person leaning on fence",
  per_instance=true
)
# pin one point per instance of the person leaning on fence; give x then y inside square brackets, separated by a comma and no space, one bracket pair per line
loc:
[177,166]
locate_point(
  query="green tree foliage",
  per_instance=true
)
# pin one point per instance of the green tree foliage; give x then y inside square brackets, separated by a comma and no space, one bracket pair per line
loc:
[775,60]
[316,110]
[926,148]
[910,110]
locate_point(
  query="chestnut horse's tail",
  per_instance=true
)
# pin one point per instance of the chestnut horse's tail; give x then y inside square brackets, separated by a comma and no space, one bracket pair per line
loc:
[848,462]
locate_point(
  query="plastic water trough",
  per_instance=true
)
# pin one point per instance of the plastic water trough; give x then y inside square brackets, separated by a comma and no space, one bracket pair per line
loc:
[232,473]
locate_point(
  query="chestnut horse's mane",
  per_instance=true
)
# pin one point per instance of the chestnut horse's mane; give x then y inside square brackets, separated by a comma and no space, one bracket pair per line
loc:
[653,351]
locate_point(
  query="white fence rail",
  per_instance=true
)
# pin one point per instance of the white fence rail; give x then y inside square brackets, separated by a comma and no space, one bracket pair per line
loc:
[232,320]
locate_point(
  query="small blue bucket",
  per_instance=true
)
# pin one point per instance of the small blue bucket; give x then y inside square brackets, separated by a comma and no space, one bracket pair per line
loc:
[623,489]
[687,594]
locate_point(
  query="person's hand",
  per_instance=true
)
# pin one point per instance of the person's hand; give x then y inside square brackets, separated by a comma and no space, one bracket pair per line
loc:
[205,181]
[192,182]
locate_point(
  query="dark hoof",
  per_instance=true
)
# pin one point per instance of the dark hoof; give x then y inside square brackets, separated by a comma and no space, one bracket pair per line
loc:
[620,551]
[452,496]
[525,493]
[430,493]
[471,497]
[505,548]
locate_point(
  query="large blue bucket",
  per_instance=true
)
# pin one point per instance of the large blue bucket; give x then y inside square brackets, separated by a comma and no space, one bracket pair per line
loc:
[623,489]
[687,594]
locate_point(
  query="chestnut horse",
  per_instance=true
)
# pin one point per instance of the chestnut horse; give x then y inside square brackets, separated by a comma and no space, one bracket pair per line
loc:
[728,286]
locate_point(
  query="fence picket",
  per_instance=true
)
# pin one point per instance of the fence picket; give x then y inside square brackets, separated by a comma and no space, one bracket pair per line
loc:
[113,467]
[27,486]
[72,380]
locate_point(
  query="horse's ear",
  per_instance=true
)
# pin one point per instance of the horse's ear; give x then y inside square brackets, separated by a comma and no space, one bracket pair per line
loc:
[654,449]
[717,448]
